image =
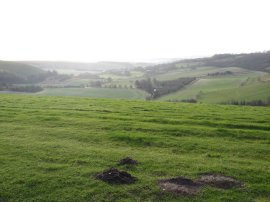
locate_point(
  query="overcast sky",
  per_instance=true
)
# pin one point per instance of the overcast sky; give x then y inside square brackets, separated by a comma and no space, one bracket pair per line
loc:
[131,30]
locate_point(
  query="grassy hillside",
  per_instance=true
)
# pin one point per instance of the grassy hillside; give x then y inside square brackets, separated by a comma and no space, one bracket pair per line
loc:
[19,69]
[259,61]
[248,86]
[51,147]
[197,72]
[255,91]
[120,93]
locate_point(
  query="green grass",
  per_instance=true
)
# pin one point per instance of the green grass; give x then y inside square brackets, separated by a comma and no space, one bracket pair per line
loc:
[198,72]
[246,87]
[121,93]
[51,147]
[205,85]
[255,91]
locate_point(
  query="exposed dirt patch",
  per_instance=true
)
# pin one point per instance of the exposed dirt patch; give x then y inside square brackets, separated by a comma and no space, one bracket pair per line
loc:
[127,161]
[180,186]
[115,176]
[219,180]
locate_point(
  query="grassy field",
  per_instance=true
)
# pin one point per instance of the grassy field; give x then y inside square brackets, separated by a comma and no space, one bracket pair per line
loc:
[222,89]
[205,85]
[121,93]
[51,147]
[200,71]
[255,91]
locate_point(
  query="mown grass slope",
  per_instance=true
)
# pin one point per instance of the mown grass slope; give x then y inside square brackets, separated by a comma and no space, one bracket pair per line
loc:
[51,147]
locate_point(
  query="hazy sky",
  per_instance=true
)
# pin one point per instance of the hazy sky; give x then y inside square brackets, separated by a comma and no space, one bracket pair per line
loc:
[91,30]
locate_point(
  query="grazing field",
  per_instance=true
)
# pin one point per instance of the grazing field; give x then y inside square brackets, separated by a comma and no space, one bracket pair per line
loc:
[51,148]
[223,89]
[255,91]
[121,93]
[200,71]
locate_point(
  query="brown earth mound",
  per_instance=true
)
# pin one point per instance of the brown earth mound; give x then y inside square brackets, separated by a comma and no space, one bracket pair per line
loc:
[219,180]
[115,176]
[180,185]
[127,161]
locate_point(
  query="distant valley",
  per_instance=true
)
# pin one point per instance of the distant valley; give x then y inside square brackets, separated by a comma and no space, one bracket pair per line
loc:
[220,79]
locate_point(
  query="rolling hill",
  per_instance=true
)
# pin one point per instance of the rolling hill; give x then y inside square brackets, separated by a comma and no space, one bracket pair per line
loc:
[224,89]
[19,69]
[19,73]
[259,61]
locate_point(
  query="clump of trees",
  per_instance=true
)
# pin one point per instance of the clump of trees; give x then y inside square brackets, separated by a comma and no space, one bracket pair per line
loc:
[191,100]
[159,88]
[30,89]
[220,73]
[250,103]
[96,84]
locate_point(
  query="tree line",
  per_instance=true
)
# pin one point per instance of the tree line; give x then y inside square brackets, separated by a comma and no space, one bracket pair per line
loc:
[20,88]
[249,103]
[159,88]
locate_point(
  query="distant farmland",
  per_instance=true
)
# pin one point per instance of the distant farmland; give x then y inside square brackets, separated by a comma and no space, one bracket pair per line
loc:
[222,89]
[220,79]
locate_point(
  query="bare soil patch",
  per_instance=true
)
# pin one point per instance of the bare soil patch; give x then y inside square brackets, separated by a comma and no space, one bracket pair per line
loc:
[219,181]
[180,186]
[127,161]
[115,176]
